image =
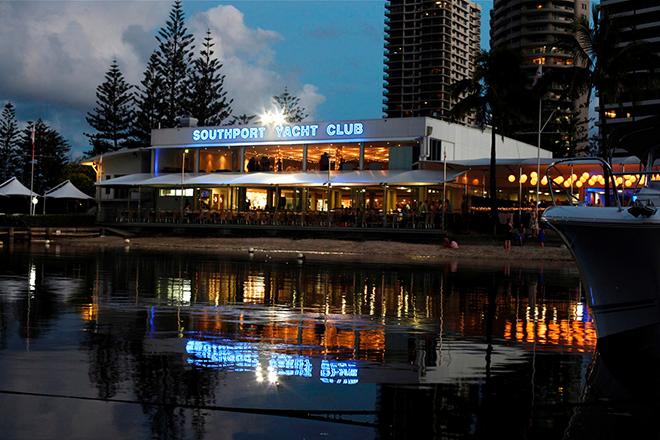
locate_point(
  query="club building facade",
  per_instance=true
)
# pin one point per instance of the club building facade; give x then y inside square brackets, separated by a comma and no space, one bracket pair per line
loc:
[380,166]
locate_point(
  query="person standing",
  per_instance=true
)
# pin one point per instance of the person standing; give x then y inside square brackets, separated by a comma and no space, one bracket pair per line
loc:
[509,231]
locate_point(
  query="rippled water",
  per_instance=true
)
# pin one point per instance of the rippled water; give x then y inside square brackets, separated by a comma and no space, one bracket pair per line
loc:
[120,344]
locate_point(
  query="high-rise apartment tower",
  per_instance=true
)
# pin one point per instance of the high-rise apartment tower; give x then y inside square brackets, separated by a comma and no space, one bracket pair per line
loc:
[534,27]
[429,45]
[639,102]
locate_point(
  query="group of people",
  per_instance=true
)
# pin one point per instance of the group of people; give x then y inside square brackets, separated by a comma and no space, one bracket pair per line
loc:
[264,163]
[519,234]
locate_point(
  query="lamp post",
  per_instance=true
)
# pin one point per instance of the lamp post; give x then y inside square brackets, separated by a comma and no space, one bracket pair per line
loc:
[538,156]
[183,168]
[32,204]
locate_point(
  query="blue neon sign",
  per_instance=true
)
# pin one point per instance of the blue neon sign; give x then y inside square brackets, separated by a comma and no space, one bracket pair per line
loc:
[279,132]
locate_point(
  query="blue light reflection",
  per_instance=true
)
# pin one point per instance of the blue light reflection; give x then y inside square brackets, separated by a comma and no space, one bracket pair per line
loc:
[244,357]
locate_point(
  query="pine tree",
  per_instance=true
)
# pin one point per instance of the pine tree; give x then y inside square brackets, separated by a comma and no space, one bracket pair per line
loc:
[243,119]
[148,104]
[51,155]
[208,101]
[10,158]
[112,116]
[290,106]
[175,51]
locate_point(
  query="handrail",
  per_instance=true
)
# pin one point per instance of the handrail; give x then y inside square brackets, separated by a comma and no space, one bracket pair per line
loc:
[606,168]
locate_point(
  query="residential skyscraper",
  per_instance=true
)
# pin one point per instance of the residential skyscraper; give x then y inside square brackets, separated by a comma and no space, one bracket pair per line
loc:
[429,45]
[639,22]
[534,27]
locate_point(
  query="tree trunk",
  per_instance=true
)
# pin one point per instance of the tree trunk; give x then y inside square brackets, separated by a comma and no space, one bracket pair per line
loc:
[493,181]
[603,145]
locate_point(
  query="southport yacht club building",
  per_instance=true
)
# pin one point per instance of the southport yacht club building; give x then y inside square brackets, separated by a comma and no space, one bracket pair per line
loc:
[310,171]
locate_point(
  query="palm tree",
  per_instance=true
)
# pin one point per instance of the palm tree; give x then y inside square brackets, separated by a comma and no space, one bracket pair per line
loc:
[495,96]
[604,64]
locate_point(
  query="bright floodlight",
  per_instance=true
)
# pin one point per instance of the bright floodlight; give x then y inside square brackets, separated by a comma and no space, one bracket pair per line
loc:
[273,117]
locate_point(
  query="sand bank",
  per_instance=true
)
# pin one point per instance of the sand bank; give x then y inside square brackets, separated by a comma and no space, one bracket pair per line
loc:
[330,250]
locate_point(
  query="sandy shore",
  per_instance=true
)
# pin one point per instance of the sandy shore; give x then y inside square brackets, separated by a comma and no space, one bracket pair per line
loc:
[331,250]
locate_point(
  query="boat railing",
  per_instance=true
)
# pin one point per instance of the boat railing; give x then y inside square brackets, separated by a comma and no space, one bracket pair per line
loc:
[608,173]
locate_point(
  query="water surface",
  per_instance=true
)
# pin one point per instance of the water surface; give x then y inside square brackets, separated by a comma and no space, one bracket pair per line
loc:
[121,344]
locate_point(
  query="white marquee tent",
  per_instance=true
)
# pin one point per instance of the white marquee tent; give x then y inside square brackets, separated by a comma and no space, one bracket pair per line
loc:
[13,187]
[66,190]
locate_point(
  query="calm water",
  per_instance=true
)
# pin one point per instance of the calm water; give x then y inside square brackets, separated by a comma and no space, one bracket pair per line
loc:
[120,344]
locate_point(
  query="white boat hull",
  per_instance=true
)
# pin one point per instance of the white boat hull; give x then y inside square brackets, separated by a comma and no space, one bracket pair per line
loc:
[618,256]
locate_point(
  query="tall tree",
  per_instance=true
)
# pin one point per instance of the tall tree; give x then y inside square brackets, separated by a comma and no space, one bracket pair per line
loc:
[290,106]
[174,53]
[148,100]
[208,101]
[51,155]
[10,158]
[112,116]
[243,119]
[495,94]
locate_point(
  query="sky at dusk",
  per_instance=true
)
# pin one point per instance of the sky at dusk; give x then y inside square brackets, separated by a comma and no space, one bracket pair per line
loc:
[330,53]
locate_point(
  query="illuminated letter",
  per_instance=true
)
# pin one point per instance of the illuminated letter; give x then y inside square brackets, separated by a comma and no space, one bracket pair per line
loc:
[204,135]
[295,131]
[304,130]
[348,129]
[279,129]
[213,134]
[254,132]
[235,132]
[245,133]
[358,128]
[313,128]
[262,131]
[331,130]
[195,135]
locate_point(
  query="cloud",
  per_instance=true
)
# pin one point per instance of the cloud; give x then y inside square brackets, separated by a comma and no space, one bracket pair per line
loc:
[54,55]
[57,52]
[248,59]
[310,98]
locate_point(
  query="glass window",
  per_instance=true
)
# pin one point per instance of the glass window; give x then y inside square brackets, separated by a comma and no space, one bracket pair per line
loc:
[376,157]
[217,160]
[336,157]
[257,198]
[187,192]
[169,160]
[275,158]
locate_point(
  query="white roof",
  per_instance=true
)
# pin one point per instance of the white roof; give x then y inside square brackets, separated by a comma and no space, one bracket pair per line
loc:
[66,190]
[128,180]
[13,187]
[310,178]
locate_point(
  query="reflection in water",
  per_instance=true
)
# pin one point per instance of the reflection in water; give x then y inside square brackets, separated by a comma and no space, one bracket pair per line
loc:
[443,352]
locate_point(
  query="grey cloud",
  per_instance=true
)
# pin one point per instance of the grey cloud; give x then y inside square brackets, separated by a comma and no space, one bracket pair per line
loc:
[140,39]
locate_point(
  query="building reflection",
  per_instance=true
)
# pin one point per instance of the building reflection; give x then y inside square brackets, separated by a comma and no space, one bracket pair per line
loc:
[174,330]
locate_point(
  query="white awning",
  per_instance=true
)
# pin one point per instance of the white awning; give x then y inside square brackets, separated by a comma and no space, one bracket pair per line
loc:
[213,179]
[13,187]
[128,180]
[359,178]
[422,177]
[168,180]
[66,190]
[310,178]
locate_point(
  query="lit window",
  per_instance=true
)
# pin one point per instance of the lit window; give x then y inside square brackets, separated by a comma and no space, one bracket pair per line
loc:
[610,114]
[188,192]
